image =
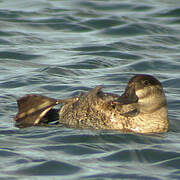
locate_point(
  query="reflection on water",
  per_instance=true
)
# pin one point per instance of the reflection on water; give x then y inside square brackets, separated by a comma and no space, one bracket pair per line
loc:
[59,48]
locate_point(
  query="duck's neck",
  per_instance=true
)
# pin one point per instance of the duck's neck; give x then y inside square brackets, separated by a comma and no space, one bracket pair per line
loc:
[154,122]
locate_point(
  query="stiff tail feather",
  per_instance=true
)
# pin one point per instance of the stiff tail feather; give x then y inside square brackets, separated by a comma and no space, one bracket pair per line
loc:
[32,108]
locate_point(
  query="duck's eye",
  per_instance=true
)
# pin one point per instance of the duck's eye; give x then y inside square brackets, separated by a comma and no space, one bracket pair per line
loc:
[146,82]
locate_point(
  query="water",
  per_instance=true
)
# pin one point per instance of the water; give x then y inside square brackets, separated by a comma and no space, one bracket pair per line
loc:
[59,48]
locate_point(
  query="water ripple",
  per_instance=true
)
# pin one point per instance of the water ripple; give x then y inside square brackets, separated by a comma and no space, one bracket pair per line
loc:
[60,48]
[41,169]
[17,55]
[140,29]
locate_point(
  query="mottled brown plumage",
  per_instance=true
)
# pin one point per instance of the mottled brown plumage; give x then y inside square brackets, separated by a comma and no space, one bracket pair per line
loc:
[142,108]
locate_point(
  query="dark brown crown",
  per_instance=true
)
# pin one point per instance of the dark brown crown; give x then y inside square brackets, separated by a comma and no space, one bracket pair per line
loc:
[144,79]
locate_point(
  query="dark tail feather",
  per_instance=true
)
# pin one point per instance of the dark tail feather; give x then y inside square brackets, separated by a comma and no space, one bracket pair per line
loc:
[34,109]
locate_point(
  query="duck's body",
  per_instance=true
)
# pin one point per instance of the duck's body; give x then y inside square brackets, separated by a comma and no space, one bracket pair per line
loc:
[141,109]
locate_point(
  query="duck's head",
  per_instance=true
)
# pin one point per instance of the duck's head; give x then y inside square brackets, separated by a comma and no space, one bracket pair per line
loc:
[146,91]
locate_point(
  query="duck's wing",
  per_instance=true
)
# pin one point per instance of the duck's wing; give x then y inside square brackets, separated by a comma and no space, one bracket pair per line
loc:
[32,108]
[106,97]
[124,105]
[131,112]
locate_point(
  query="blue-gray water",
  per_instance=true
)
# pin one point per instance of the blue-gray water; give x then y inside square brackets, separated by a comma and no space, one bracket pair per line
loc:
[59,48]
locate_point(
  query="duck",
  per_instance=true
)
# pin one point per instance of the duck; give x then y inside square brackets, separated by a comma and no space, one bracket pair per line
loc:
[142,108]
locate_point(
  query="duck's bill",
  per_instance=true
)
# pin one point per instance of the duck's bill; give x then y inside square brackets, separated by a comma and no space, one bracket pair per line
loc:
[128,97]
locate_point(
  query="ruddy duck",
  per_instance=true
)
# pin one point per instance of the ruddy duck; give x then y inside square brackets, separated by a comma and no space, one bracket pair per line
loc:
[142,108]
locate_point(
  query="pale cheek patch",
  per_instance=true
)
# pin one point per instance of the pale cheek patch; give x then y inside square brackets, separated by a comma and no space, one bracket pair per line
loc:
[144,93]
[141,93]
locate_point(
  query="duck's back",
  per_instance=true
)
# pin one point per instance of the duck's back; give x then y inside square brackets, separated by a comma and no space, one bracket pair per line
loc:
[83,113]
[92,110]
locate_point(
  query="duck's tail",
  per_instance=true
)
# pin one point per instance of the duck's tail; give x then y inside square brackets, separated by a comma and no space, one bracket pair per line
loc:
[34,109]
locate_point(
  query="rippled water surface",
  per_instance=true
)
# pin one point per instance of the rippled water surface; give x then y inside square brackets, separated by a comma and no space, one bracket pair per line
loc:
[59,48]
